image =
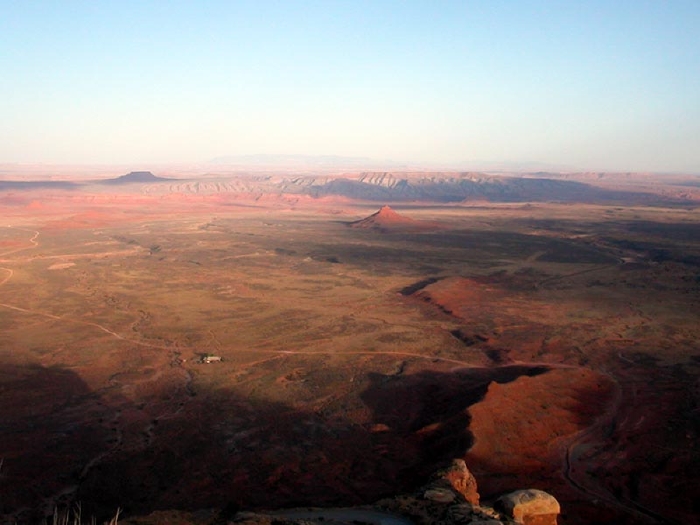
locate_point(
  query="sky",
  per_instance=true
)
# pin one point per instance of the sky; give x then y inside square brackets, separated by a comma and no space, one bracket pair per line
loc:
[595,85]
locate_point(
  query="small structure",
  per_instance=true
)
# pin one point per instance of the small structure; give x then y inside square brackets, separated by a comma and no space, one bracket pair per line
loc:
[211,359]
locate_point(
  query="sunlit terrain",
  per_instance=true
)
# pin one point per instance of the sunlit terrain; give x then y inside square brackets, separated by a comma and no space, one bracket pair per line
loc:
[550,344]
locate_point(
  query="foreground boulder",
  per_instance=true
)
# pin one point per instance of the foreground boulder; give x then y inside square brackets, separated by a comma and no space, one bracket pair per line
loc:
[530,506]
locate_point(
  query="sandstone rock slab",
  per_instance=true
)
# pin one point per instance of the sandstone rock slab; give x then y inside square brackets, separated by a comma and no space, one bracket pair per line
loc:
[525,505]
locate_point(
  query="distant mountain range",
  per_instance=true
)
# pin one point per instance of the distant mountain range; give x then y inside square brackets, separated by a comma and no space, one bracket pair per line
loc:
[300,161]
[395,186]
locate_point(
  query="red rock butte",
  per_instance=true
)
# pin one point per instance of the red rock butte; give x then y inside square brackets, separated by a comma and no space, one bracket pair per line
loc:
[384,218]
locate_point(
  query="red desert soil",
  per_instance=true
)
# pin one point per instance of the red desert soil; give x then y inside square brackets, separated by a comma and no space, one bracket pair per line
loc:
[155,436]
[522,428]
[495,314]
[634,454]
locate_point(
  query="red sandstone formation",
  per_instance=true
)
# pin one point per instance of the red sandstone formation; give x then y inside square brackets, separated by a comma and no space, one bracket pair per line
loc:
[386,219]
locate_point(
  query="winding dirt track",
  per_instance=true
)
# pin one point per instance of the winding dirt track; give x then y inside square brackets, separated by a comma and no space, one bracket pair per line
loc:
[35,244]
[579,440]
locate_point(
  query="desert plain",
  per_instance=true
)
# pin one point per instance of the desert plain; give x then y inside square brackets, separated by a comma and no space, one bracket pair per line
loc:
[548,338]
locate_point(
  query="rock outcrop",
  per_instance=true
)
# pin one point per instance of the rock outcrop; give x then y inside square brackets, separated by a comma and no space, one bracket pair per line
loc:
[531,506]
[449,497]
[459,478]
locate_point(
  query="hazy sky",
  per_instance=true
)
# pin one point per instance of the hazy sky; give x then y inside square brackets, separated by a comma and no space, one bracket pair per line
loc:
[608,84]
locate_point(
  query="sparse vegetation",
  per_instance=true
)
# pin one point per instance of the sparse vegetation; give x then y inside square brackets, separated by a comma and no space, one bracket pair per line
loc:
[75,517]
[348,355]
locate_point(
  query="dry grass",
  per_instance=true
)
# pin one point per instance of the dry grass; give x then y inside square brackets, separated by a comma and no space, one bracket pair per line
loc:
[75,517]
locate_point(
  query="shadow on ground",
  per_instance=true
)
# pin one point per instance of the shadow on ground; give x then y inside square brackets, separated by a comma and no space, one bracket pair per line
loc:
[216,449]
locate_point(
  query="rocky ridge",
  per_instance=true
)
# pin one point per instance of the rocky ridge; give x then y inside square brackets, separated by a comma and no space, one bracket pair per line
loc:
[445,187]
[449,497]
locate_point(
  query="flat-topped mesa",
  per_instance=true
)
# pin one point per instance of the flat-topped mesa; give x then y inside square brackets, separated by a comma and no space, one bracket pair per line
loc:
[135,177]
